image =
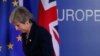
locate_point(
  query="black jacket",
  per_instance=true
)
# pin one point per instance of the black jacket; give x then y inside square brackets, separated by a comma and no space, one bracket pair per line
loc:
[39,42]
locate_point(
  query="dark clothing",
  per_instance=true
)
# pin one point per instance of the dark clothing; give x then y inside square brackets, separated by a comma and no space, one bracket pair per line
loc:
[39,42]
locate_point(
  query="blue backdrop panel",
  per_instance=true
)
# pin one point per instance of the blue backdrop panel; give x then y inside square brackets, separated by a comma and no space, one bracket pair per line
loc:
[79,38]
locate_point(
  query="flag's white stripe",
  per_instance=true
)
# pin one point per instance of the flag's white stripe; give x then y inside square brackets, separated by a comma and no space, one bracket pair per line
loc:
[53,24]
[55,42]
[48,5]
[56,32]
[55,46]
[20,2]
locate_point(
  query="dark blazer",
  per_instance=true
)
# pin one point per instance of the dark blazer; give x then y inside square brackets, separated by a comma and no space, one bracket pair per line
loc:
[39,42]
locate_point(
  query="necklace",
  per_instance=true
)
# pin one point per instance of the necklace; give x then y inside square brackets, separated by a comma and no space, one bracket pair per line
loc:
[27,35]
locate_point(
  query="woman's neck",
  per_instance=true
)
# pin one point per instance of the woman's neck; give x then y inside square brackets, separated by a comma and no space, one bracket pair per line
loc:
[29,28]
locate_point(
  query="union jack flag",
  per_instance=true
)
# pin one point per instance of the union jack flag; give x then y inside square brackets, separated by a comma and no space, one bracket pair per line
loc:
[49,20]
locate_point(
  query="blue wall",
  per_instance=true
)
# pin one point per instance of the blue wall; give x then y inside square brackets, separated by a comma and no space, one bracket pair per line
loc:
[79,38]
